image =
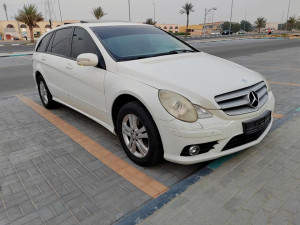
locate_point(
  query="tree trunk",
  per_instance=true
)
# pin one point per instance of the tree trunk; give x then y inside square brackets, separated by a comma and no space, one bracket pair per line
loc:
[31,34]
[187,25]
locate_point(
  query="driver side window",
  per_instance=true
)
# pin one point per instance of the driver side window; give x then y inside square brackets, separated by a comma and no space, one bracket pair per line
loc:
[83,43]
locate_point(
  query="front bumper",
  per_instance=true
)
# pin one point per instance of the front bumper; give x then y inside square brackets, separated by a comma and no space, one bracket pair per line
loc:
[176,134]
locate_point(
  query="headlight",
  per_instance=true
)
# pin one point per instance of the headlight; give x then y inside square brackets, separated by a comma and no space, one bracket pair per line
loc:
[180,107]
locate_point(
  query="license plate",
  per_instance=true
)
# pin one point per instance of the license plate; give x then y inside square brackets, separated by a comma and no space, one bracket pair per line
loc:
[258,124]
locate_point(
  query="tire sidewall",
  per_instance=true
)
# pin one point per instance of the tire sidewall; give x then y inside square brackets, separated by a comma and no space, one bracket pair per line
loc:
[39,80]
[155,152]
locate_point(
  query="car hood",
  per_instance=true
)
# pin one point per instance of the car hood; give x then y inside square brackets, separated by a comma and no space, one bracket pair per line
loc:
[197,76]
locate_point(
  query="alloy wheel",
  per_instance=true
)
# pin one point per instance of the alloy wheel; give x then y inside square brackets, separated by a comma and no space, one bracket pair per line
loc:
[135,135]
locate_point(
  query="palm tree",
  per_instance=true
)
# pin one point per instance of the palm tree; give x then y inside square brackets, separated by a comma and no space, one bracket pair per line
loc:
[5,9]
[260,23]
[98,12]
[150,21]
[30,16]
[187,9]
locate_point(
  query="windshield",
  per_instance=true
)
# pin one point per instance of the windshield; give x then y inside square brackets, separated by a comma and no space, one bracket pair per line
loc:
[132,42]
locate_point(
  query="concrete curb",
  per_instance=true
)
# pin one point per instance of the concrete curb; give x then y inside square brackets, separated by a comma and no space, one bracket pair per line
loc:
[153,205]
[14,54]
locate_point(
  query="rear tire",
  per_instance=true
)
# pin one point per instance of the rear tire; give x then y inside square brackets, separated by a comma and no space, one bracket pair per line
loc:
[139,135]
[45,94]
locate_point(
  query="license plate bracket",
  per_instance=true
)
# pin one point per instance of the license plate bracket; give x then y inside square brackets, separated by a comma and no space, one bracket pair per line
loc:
[257,124]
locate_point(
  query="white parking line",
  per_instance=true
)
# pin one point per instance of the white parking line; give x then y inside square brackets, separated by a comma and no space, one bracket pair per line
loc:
[1,45]
[15,44]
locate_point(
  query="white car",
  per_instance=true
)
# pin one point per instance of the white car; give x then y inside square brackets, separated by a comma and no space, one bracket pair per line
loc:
[162,97]
[215,33]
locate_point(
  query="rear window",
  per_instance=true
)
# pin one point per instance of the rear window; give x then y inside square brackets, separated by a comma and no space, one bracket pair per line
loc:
[44,43]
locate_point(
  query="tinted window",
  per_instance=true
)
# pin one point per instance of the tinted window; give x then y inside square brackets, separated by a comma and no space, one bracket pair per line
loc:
[44,43]
[136,42]
[61,41]
[50,43]
[82,43]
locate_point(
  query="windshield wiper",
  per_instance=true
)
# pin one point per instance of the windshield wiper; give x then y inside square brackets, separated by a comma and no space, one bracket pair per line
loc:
[177,51]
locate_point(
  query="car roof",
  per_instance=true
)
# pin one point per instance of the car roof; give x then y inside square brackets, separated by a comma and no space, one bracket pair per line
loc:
[85,24]
[98,24]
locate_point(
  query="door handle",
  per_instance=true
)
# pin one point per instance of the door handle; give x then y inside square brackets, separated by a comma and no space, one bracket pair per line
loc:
[69,67]
[44,58]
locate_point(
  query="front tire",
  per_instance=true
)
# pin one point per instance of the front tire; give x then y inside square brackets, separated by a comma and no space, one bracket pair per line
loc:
[139,135]
[45,94]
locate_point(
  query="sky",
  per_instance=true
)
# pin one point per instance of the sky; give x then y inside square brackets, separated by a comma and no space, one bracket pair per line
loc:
[167,11]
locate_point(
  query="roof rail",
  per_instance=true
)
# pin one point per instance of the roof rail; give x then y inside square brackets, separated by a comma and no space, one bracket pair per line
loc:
[103,21]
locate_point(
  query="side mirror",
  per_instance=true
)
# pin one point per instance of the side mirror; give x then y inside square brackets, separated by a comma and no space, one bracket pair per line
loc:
[87,59]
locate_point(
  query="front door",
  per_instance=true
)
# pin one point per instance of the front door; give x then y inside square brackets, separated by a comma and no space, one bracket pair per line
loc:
[86,83]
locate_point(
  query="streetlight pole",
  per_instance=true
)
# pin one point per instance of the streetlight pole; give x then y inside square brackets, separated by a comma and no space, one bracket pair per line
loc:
[287,16]
[154,11]
[245,20]
[230,16]
[205,14]
[129,10]
[60,13]
[212,19]
[204,30]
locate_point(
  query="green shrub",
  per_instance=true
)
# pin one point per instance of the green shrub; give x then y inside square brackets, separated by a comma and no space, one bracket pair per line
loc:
[182,33]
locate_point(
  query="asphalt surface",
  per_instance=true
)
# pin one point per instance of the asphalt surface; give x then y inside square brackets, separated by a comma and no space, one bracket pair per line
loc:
[16,75]
[16,72]
[16,48]
[234,48]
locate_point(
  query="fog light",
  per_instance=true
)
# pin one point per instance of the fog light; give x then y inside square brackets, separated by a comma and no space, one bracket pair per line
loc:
[194,150]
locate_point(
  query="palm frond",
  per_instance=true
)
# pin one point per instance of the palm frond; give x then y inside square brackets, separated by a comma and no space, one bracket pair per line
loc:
[29,15]
[98,12]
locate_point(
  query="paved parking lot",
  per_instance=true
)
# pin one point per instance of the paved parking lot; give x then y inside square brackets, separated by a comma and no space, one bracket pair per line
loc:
[60,167]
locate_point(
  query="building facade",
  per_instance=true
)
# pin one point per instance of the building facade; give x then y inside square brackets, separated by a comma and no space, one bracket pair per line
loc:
[199,28]
[174,28]
[274,26]
[14,29]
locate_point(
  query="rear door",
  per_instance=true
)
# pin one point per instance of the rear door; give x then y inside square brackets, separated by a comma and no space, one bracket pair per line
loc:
[39,63]
[86,83]
[58,59]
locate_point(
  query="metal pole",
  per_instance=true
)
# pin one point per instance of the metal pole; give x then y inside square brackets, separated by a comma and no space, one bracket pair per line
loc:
[204,22]
[129,10]
[245,20]
[49,9]
[60,13]
[287,16]
[154,12]
[230,16]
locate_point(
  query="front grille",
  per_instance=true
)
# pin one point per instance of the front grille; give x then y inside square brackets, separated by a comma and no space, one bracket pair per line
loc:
[237,102]
[251,136]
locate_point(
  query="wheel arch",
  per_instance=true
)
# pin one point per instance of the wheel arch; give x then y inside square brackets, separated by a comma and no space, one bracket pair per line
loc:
[119,102]
[122,100]
[36,75]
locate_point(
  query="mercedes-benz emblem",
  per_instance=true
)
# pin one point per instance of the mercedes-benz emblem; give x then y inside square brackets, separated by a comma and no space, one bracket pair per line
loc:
[253,99]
